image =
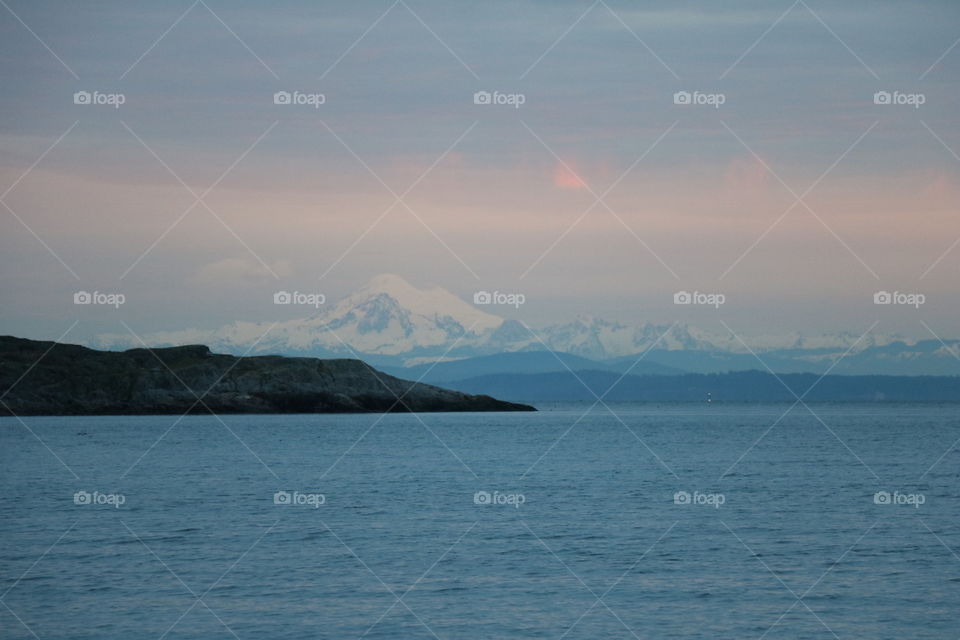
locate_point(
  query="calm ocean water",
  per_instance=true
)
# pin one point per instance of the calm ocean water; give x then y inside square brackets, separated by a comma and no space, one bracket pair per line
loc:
[659,522]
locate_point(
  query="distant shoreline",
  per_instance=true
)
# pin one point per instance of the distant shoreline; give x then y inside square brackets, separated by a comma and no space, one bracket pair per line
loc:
[740,387]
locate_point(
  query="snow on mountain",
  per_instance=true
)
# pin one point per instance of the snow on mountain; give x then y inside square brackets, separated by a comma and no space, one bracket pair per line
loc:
[600,339]
[390,317]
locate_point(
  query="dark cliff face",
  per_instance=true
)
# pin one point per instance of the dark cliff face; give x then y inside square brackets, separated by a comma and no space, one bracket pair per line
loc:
[75,380]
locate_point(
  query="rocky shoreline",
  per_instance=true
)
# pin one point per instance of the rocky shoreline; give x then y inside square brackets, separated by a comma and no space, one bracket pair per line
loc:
[76,380]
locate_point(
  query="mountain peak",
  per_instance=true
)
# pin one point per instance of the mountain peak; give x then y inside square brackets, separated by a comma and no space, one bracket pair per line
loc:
[435,303]
[389,283]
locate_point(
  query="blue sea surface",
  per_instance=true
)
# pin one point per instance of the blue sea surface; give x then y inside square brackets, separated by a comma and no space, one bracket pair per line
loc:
[641,521]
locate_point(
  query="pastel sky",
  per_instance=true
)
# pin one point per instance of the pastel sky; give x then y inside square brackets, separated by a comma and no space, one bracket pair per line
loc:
[798,197]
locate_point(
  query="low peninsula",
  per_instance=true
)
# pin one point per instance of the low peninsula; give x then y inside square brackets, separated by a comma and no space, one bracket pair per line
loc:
[46,378]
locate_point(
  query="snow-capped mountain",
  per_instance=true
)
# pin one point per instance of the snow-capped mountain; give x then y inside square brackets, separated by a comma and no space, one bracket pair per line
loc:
[600,339]
[391,321]
[388,316]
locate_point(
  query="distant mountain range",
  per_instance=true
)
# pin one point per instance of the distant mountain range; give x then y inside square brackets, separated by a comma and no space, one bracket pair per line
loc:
[524,362]
[403,329]
[740,386]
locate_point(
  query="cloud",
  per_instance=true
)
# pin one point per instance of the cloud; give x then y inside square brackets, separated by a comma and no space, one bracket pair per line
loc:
[239,272]
[745,174]
[564,177]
